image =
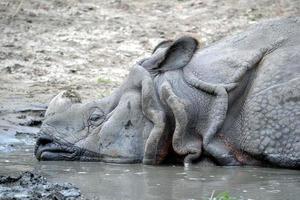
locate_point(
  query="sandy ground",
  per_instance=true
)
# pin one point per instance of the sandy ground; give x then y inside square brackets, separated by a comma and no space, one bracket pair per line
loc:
[47,46]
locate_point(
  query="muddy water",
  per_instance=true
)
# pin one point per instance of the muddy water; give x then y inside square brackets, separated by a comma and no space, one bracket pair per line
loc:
[111,181]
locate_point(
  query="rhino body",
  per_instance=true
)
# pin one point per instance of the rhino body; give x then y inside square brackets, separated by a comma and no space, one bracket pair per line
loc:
[236,102]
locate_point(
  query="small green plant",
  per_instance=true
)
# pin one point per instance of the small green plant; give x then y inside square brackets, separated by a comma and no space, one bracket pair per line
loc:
[103,81]
[221,196]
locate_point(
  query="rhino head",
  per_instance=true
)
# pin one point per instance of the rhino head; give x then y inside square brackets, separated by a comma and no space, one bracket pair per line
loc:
[132,125]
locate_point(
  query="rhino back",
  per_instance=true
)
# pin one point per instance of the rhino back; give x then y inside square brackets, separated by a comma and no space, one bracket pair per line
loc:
[265,120]
[219,63]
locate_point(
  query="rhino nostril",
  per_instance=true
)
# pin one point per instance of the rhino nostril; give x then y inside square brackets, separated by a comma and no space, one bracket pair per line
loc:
[44,139]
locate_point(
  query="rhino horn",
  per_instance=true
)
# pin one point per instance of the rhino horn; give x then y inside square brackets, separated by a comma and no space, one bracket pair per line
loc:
[63,101]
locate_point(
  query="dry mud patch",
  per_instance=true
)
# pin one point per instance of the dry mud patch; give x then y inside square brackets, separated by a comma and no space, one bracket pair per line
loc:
[89,46]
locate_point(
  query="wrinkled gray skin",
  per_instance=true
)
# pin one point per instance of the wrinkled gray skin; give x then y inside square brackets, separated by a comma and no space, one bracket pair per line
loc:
[236,102]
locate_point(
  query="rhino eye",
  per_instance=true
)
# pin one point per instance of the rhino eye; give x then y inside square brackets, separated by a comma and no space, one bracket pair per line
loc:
[96,117]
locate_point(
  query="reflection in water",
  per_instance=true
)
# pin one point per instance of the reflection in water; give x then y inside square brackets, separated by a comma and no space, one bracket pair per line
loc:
[112,181]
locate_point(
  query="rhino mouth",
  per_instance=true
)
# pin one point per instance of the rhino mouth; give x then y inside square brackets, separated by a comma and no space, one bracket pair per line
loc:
[47,148]
[55,154]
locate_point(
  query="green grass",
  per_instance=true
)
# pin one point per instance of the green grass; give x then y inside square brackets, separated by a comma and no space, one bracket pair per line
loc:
[221,196]
[101,80]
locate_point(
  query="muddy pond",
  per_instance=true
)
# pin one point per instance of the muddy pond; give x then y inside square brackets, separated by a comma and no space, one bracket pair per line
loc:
[112,181]
[19,125]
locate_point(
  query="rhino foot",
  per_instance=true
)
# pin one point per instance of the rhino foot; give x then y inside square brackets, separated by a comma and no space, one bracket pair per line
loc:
[221,154]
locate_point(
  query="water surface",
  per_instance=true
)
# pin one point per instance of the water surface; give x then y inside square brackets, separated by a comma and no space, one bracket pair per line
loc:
[112,181]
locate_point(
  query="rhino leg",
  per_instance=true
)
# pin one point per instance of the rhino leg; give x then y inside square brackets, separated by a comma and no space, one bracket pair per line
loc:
[155,148]
[186,144]
[154,153]
[217,117]
[220,105]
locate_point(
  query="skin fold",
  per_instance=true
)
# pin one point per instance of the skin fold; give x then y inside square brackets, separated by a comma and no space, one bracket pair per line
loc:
[236,102]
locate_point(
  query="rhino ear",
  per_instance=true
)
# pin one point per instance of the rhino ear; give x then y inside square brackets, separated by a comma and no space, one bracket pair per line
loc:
[163,44]
[170,55]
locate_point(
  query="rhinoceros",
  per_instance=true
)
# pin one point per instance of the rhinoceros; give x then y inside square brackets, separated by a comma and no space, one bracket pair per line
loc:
[235,102]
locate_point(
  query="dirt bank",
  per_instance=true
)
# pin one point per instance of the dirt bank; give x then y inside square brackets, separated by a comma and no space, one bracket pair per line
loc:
[46,46]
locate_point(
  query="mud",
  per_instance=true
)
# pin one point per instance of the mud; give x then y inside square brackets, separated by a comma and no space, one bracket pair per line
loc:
[89,46]
[29,185]
[19,125]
